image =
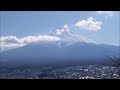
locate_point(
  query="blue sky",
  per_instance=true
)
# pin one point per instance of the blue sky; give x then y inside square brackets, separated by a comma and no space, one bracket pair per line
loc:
[27,23]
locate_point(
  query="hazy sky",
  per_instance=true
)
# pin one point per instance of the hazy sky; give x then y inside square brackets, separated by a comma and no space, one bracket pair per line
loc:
[102,27]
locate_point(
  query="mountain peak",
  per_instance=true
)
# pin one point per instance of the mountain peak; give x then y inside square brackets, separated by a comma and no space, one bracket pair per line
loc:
[60,31]
[67,35]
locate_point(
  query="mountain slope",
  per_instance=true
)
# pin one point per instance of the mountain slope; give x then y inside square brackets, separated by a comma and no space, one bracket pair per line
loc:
[70,49]
[51,52]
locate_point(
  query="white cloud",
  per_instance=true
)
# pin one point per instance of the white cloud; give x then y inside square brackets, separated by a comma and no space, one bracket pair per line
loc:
[60,31]
[65,26]
[10,39]
[38,38]
[109,13]
[10,42]
[89,24]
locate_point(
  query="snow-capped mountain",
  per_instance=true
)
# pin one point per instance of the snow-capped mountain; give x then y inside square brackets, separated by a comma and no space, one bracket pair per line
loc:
[67,35]
[70,48]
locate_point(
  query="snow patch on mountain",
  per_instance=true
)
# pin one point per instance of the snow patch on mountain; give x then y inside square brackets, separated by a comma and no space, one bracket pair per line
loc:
[67,35]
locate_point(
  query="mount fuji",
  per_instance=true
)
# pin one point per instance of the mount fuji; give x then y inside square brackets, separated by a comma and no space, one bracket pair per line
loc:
[71,48]
[66,35]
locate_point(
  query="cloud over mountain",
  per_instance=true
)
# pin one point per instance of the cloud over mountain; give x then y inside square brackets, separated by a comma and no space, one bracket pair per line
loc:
[59,34]
[13,42]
